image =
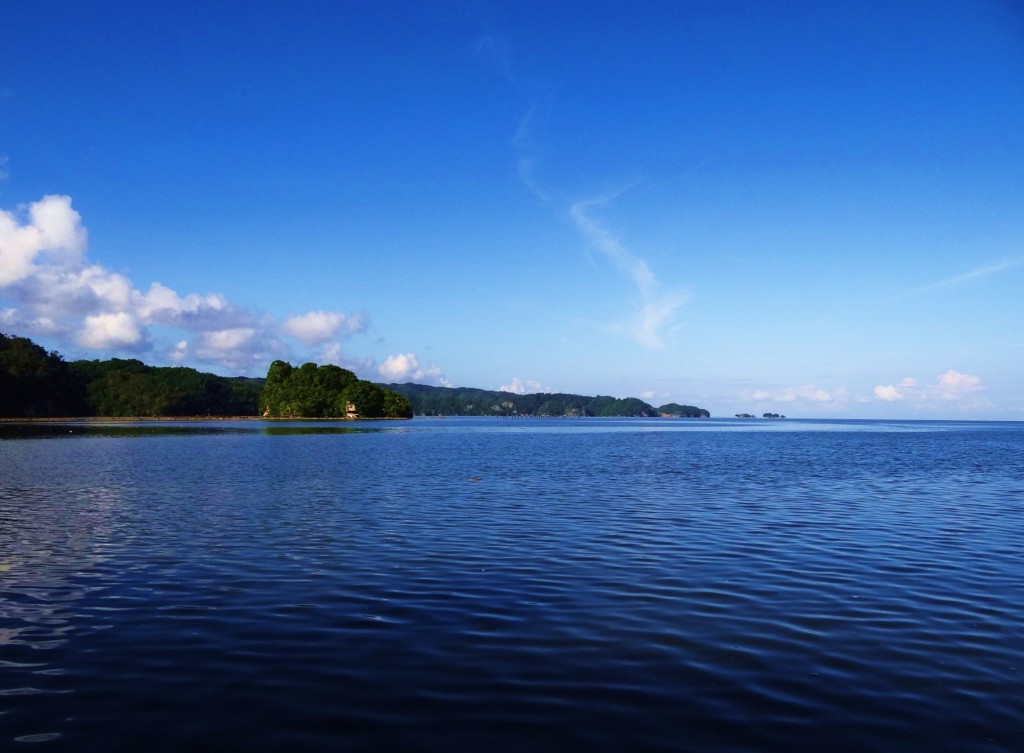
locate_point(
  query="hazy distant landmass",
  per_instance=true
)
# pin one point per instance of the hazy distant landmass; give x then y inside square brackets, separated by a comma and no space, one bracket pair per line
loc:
[469,401]
[675,410]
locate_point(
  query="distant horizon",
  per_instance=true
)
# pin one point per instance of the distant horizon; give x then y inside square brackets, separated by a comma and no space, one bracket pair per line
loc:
[807,209]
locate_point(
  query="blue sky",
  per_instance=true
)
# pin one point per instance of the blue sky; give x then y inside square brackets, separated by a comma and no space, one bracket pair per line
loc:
[812,208]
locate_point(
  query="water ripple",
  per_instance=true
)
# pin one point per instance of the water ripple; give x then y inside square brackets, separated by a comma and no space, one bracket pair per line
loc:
[617,585]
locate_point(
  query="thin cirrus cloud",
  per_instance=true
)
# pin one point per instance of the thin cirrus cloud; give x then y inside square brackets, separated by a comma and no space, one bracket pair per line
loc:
[57,292]
[656,314]
[987,270]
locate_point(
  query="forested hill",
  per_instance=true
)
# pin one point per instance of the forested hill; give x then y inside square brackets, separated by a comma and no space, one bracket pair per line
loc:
[37,384]
[468,401]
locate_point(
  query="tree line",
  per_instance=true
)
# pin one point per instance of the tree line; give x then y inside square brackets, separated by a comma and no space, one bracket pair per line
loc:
[469,401]
[35,383]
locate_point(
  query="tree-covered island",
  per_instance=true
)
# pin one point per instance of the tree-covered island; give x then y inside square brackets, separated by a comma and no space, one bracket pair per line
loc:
[675,410]
[327,391]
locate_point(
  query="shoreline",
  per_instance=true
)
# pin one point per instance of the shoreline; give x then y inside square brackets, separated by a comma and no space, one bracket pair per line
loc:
[184,419]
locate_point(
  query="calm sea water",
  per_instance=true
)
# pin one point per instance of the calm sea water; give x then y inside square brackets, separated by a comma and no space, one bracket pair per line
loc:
[513,585]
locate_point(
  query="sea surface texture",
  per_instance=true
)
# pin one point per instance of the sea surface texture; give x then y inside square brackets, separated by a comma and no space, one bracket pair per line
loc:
[512,585]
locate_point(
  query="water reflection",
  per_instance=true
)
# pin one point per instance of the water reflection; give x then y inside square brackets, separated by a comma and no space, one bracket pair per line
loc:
[70,430]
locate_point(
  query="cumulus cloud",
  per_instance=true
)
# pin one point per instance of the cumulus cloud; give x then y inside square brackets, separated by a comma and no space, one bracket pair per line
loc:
[801,394]
[56,291]
[808,392]
[110,331]
[319,326]
[519,387]
[405,367]
[53,228]
[888,393]
[657,307]
[952,386]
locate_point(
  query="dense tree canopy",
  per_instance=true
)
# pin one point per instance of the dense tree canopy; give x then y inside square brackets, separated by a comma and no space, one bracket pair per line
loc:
[327,391]
[34,383]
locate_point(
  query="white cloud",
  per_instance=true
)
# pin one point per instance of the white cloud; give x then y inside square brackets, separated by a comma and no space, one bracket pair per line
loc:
[405,367]
[952,386]
[112,331]
[319,326]
[179,352]
[656,312]
[56,291]
[955,386]
[888,393]
[801,394]
[53,228]
[647,395]
[228,339]
[519,387]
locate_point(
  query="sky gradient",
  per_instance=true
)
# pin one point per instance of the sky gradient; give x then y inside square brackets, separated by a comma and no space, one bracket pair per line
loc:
[810,208]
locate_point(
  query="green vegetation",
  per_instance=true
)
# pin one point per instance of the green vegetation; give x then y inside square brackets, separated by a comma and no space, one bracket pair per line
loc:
[37,384]
[467,401]
[34,383]
[328,391]
[128,387]
[675,410]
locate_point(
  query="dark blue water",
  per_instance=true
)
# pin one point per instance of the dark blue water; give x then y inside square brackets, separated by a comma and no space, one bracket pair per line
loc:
[648,585]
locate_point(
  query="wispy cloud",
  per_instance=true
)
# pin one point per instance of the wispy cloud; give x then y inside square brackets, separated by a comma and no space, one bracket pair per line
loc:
[56,291]
[525,146]
[657,307]
[1003,265]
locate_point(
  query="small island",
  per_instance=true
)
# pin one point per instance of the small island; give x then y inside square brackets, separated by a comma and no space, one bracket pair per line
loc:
[675,410]
[327,391]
